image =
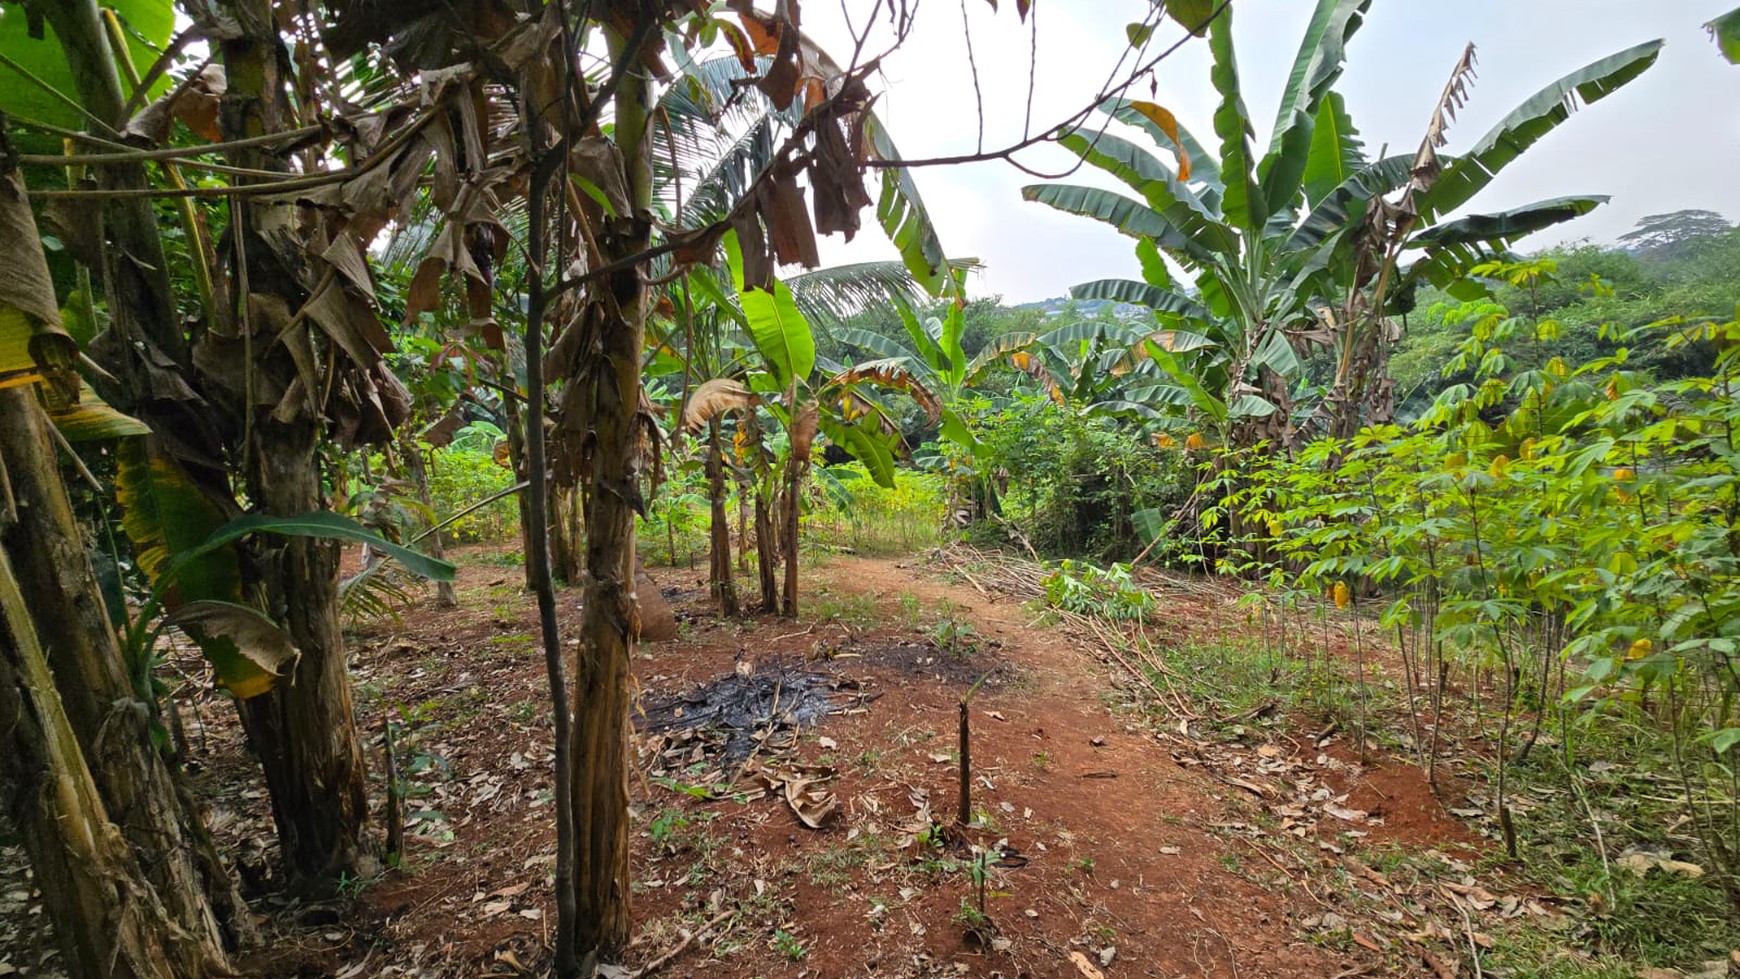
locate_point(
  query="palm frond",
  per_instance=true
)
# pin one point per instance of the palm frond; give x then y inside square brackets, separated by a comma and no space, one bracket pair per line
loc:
[381,589]
[828,297]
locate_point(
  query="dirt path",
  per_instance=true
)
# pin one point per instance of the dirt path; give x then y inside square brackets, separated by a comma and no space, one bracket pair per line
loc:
[1129,858]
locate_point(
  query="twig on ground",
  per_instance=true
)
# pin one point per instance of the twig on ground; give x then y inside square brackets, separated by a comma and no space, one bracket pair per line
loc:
[666,959]
[1468,929]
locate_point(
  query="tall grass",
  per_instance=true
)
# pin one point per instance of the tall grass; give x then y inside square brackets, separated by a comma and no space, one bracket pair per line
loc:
[857,515]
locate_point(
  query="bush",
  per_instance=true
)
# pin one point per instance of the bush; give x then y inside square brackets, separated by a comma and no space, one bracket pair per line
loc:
[678,521]
[1570,537]
[870,519]
[1077,484]
[460,476]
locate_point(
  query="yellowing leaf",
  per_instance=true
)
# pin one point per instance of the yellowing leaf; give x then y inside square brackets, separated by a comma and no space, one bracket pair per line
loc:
[247,650]
[1168,123]
[90,418]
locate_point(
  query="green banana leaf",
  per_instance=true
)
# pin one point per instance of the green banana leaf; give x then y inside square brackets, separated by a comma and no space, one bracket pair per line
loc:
[1537,116]
[779,330]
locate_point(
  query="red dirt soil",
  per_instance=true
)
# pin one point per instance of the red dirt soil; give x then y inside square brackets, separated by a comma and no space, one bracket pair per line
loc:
[1131,868]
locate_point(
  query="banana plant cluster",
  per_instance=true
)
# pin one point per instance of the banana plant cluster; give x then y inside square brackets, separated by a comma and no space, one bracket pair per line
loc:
[1253,262]
[776,391]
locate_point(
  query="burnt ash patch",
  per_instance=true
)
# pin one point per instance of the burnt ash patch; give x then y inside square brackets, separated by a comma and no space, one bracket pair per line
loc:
[737,710]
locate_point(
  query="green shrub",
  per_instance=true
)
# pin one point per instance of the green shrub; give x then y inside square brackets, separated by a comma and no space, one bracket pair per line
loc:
[1078,484]
[1076,586]
[853,512]
[460,477]
[1567,536]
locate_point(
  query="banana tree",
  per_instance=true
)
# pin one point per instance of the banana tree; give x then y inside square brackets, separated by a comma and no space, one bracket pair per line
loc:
[720,133]
[282,361]
[131,884]
[1298,248]
[782,379]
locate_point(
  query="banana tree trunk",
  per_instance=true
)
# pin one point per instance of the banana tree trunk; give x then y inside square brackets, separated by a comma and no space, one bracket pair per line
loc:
[766,552]
[113,724]
[610,615]
[766,547]
[1365,394]
[105,913]
[564,535]
[742,525]
[721,577]
[97,700]
[304,730]
[418,469]
[794,478]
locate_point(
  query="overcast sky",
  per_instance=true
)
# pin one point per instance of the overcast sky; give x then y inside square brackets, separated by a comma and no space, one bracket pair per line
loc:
[1669,140]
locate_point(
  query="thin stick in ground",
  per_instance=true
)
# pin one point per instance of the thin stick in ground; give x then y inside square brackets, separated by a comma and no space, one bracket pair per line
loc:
[964,814]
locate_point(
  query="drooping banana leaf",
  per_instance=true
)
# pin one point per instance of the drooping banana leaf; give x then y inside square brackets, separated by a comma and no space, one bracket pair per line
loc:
[1136,167]
[248,651]
[1204,168]
[998,351]
[867,443]
[1130,217]
[167,517]
[901,212]
[1455,246]
[90,418]
[876,343]
[1540,114]
[325,525]
[1159,299]
[1507,226]
[829,296]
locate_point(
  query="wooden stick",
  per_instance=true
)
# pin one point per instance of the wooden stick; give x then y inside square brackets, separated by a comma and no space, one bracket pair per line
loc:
[665,959]
[964,814]
[395,799]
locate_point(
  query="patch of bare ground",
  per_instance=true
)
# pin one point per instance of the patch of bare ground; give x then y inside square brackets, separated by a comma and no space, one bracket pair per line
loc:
[1119,842]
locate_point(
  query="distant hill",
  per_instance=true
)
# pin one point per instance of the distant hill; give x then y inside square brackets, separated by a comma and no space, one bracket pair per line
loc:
[1087,307]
